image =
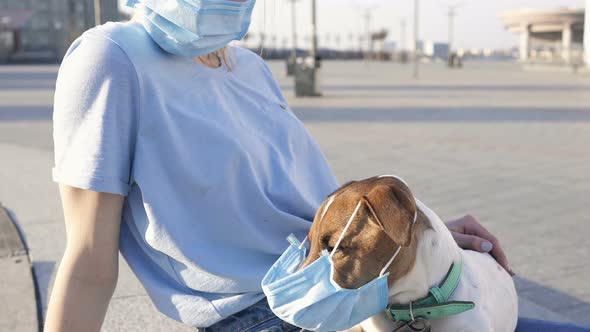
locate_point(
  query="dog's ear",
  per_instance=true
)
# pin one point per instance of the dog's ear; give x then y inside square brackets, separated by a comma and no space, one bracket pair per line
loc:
[393,207]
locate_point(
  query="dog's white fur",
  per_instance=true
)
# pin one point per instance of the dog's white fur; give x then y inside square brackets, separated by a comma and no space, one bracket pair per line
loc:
[482,281]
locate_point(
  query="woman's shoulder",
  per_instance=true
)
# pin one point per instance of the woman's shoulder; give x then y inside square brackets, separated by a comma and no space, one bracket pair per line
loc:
[116,39]
[245,56]
[120,32]
[244,53]
[96,65]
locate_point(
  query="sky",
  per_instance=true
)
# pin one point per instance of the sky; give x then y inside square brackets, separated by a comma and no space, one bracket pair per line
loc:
[477,22]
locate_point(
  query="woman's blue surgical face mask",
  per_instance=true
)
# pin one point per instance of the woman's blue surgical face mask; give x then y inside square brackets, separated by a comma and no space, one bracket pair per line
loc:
[193,28]
[311,299]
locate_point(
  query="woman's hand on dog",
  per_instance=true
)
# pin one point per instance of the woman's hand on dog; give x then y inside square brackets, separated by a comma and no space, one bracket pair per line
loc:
[470,234]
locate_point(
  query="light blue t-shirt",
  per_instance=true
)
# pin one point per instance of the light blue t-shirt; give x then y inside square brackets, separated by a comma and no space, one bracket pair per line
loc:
[216,169]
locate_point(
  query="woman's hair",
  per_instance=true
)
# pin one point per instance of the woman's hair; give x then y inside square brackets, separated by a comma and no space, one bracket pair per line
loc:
[224,54]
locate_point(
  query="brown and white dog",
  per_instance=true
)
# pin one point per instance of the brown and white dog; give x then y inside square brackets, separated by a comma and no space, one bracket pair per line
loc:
[384,222]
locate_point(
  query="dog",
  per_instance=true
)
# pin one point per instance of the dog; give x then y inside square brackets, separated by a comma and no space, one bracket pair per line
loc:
[385,222]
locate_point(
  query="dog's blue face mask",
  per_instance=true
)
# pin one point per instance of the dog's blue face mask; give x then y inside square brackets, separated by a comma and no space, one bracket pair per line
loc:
[311,299]
[193,28]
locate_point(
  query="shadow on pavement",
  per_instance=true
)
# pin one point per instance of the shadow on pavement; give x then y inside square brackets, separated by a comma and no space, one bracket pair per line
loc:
[439,114]
[451,88]
[43,272]
[28,113]
[374,114]
[28,86]
[564,305]
[28,76]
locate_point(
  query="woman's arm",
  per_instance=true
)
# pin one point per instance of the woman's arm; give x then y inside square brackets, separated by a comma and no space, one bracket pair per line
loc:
[88,271]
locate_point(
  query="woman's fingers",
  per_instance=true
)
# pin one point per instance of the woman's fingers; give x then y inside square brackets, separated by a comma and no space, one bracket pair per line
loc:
[473,227]
[472,242]
[470,234]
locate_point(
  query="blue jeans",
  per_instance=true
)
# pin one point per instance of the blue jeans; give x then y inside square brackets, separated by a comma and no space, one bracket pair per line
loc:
[259,318]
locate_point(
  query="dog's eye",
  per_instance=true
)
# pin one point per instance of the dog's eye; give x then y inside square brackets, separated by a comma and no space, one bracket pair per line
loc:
[329,247]
[326,244]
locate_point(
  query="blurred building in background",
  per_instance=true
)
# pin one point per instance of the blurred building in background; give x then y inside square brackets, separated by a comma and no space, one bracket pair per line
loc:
[548,36]
[42,30]
[436,50]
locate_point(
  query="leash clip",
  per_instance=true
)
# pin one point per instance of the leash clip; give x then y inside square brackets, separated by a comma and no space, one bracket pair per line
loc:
[417,325]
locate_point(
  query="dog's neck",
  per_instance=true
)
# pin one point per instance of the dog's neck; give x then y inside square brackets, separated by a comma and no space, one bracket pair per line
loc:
[436,251]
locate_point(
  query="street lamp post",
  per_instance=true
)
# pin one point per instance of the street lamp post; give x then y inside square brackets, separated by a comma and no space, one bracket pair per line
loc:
[587,34]
[294,29]
[416,36]
[368,34]
[97,13]
[402,35]
[314,33]
[292,60]
[452,58]
[451,28]
[306,73]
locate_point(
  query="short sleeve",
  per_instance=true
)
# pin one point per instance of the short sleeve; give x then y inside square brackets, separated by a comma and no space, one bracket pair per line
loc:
[95,117]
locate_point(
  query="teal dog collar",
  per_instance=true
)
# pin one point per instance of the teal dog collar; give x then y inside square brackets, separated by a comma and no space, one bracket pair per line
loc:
[435,305]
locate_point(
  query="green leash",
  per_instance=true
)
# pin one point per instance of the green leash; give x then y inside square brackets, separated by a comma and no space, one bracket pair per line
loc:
[435,305]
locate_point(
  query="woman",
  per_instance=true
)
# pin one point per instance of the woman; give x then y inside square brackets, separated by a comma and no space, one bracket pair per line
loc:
[187,160]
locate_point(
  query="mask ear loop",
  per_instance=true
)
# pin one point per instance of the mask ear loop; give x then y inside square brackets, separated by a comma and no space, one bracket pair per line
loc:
[303,243]
[346,228]
[321,218]
[390,261]
[398,248]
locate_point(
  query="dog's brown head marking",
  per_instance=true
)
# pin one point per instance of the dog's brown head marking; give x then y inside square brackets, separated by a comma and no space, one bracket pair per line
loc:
[383,223]
[393,206]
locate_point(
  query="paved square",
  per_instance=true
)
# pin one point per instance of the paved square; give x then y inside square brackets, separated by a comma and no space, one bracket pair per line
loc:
[507,146]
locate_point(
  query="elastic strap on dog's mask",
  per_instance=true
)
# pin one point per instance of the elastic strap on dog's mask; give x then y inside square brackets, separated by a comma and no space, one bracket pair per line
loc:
[346,228]
[398,248]
[321,218]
